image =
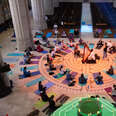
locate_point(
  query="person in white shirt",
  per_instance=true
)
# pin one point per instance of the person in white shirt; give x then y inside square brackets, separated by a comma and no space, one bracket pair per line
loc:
[62,71]
[55,26]
[56,33]
[109,44]
[53,54]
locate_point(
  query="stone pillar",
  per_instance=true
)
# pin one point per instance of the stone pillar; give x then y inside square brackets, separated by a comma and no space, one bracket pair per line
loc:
[21,21]
[38,14]
[48,7]
[114,3]
[55,3]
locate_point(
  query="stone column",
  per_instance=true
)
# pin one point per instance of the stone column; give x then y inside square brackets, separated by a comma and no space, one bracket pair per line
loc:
[48,7]
[114,3]
[38,14]
[21,21]
[55,3]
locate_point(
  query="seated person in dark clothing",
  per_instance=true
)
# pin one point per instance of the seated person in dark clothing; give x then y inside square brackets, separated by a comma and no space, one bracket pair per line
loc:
[52,104]
[51,67]
[69,76]
[27,60]
[71,37]
[114,91]
[44,38]
[49,59]
[99,44]
[81,42]
[40,86]
[26,73]
[39,48]
[110,71]
[99,78]
[76,33]
[28,53]
[112,49]
[44,95]
[82,79]
[96,33]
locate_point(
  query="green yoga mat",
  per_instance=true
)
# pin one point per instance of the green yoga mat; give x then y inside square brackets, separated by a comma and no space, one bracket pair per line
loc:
[58,76]
[40,104]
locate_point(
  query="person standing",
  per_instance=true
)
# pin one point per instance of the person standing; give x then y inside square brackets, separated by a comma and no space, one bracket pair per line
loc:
[105,51]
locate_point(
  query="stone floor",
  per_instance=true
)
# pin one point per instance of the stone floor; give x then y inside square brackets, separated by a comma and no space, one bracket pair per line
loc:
[21,101]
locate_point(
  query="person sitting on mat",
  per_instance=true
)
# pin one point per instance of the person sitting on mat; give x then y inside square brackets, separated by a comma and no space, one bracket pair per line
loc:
[63,35]
[76,51]
[82,79]
[71,44]
[114,91]
[26,73]
[62,71]
[99,44]
[69,76]
[112,49]
[39,48]
[44,95]
[49,59]
[52,104]
[40,86]
[110,71]
[81,42]
[71,37]
[51,67]
[76,32]
[63,45]
[28,53]
[99,78]
[27,60]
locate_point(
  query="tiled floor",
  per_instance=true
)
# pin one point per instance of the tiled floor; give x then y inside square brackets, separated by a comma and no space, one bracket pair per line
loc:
[21,101]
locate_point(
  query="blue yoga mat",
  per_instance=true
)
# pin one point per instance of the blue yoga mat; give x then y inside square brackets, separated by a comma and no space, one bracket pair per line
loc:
[49,34]
[30,67]
[10,59]
[37,92]
[15,54]
[34,82]
[71,31]
[38,36]
[48,85]
[32,74]
[10,73]
[81,46]
[44,52]
[91,46]
[113,76]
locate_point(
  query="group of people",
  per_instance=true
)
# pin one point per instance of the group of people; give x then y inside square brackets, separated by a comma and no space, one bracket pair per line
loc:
[64,34]
[45,97]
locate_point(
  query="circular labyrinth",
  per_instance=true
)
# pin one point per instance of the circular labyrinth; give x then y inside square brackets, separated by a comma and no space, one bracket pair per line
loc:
[75,65]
